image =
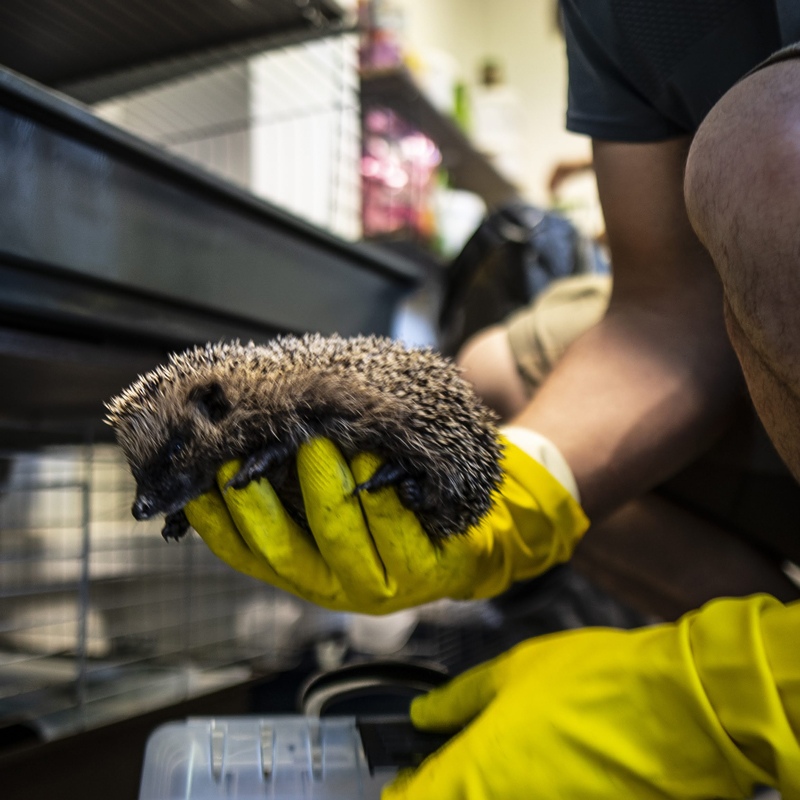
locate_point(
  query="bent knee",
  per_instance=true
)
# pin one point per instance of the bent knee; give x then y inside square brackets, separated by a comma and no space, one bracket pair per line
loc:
[743,171]
[743,194]
[743,197]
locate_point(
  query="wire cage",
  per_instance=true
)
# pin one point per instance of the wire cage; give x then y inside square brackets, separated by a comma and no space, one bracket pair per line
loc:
[283,123]
[100,618]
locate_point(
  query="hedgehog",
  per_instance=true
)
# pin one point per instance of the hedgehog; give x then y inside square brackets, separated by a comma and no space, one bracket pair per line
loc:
[258,403]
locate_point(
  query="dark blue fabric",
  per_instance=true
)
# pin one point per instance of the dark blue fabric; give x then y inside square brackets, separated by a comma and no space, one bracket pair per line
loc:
[648,70]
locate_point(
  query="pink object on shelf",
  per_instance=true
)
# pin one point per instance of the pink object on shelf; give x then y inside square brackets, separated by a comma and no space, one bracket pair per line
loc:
[398,170]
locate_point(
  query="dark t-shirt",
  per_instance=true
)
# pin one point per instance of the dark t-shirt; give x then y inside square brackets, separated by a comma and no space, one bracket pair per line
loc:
[647,70]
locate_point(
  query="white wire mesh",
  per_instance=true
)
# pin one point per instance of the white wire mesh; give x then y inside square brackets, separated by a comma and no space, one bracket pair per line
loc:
[284,124]
[99,617]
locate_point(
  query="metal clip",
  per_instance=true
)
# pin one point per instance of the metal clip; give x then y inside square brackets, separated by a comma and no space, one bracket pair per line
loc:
[315,745]
[217,752]
[267,754]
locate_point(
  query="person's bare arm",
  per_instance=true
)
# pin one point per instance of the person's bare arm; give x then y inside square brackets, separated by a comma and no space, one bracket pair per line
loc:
[648,388]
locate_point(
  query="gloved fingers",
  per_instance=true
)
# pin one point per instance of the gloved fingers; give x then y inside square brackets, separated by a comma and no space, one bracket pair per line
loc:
[402,778]
[338,524]
[209,516]
[458,702]
[275,538]
[403,545]
[442,776]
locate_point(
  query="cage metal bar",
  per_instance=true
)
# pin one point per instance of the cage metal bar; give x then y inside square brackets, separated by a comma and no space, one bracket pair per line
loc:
[102,87]
[83,601]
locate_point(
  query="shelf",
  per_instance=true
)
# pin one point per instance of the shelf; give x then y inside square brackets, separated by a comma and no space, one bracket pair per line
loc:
[410,249]
[94,49]
[88,203]
[113,251]
[468,168]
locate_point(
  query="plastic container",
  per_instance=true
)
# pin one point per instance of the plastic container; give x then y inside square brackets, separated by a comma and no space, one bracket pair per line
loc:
[279,758]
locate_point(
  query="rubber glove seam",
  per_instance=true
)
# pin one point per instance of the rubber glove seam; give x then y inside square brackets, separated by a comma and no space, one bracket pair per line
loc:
[391,593]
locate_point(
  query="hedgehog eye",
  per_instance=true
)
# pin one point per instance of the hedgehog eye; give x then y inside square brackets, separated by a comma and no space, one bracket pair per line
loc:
[174,449]
[211,401]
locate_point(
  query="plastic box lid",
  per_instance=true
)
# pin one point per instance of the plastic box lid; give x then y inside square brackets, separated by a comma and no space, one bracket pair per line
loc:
[279,757]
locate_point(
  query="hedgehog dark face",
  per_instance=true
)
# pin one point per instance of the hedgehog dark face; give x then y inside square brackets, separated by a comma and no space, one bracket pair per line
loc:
[174,441]
[166,482]
[185,464]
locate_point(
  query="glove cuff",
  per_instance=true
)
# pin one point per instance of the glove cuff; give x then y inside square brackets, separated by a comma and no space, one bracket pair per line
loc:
[535,523]
[542,450]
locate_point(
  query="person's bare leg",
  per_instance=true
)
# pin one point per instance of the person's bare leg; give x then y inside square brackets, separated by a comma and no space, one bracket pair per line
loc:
[489,366]
[743,195]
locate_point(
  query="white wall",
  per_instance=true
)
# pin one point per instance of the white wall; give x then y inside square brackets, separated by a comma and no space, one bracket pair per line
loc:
[455,26]
[523,35]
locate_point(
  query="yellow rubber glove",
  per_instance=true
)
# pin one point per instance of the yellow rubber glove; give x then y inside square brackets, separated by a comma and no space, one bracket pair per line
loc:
[706,707]
[379,559]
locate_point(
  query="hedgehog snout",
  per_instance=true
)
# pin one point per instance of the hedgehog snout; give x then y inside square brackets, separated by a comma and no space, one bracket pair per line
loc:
[168,493]
[143,507]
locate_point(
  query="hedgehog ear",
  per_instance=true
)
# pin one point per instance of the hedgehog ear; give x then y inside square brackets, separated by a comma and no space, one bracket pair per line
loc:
[211,401]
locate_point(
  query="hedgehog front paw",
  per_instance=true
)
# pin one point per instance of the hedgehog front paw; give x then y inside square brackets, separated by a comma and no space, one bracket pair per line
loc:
[259,464]
[175,526]
[388,474]
[410,493]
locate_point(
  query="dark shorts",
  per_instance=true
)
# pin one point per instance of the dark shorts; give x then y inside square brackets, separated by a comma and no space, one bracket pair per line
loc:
[646,70]
[784,54]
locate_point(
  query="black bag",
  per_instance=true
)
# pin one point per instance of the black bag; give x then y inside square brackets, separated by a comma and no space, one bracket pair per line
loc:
[509,259]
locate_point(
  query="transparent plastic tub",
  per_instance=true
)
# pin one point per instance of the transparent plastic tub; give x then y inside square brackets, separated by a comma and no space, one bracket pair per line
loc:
[279,758]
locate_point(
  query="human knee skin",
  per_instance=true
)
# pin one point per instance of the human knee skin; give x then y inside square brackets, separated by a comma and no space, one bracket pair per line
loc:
[490,367]
[743,196]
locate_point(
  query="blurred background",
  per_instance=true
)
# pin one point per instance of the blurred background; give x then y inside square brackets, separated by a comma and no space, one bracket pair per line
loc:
[178,172]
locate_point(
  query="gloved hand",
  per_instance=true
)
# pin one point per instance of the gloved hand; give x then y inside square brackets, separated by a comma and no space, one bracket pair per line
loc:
[706,707]
[380,559]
